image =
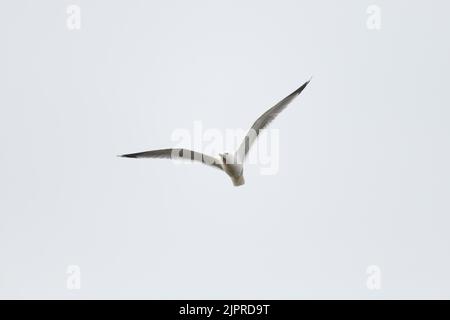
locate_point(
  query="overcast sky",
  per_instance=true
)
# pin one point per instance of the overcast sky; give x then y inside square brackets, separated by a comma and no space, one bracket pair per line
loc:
[363,177]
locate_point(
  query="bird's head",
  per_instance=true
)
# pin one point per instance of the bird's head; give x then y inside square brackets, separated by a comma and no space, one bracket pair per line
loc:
[224,156]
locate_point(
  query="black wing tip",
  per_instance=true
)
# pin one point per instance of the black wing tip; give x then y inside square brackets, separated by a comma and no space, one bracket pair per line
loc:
[127,156]
[303,86]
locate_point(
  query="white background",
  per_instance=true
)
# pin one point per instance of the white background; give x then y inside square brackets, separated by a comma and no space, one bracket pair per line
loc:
[364,154]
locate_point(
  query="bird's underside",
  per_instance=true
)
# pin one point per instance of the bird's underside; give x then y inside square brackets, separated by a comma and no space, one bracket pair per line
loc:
[231,164]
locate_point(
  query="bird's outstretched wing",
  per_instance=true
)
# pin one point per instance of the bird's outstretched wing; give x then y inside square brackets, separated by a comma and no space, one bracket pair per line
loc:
[177,154]
[264,120]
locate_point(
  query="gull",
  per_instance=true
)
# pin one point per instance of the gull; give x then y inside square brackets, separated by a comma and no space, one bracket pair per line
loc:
[231,164]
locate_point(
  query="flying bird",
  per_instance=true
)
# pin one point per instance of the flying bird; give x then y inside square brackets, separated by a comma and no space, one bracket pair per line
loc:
[231,164]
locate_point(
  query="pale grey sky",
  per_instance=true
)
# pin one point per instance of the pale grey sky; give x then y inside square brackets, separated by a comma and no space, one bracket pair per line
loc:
[364,151]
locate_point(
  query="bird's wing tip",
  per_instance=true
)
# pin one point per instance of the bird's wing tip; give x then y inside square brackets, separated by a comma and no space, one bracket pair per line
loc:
[303,86]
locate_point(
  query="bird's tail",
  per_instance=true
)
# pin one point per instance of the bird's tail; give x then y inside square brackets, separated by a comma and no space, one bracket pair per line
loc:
[238,181]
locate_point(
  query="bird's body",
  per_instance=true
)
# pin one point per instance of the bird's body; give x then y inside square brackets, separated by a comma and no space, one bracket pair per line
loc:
[231,164]
[233,168]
